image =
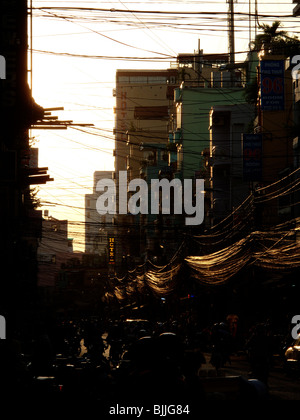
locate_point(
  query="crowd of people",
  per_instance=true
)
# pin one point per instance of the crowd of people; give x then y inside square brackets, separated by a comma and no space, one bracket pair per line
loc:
[130,361]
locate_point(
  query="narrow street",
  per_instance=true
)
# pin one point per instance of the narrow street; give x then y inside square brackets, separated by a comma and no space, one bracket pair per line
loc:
[281,385]
[150,251]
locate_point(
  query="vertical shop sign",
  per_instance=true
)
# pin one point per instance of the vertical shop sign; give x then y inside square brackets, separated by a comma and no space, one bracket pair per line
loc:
[111,250]
[272,85]
[252,157]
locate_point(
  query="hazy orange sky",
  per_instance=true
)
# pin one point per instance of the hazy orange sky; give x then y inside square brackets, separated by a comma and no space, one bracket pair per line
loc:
[83,85]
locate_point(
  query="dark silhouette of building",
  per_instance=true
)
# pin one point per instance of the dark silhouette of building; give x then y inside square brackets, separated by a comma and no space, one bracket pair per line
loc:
[20,222]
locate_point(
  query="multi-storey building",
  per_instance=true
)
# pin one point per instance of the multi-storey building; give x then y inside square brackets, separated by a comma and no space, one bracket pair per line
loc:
[207,126]
[143,100]
[274,123]
[98,228]
[227,186]
[55,248]
[20,222]
[157,136]
[296,143]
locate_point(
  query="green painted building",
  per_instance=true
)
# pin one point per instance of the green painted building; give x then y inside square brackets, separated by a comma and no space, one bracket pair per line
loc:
[193,106]
[207,125]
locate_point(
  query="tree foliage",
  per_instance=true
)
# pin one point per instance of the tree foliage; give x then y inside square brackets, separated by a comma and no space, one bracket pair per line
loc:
[275,41]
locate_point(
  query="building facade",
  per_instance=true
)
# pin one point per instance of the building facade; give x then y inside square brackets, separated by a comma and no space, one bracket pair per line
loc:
[227,186]
[98,228]
[275,122]
[55,248]
[143,100]
[162,131]
[21,223]
[208,122]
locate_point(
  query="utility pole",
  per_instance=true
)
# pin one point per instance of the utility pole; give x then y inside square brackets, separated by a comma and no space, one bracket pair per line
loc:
[231,30]
[231,43]
[31,40]
[250,24]
[256,19]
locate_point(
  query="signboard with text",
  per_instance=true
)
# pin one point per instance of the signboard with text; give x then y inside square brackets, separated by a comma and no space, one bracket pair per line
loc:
[252,157]
[272,85]
[111,250]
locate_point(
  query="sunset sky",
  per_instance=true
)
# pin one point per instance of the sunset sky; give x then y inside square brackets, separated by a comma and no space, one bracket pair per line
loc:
[76,54]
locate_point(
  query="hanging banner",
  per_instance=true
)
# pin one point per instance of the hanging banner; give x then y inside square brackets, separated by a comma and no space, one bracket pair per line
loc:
[252,157]
[272,85]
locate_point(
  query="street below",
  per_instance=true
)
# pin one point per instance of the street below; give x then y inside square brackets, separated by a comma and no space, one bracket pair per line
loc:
[281,386]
